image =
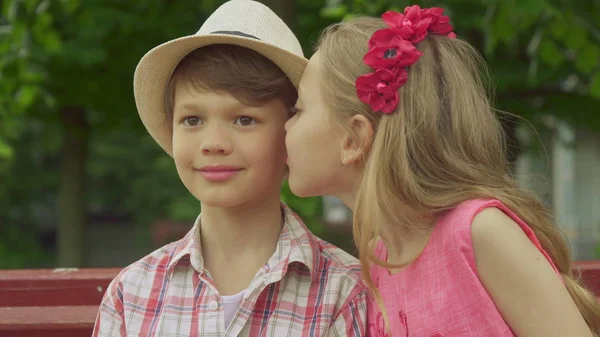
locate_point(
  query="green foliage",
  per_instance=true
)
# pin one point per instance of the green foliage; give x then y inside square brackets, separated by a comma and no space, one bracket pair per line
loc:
[595,85]
[27,199]
[21,23]
[544,57]
[20,249]
[5,149]
[146,188]
[80,53]
[27,190]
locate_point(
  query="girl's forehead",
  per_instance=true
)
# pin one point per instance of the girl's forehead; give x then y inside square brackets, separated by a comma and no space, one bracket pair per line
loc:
[310,76]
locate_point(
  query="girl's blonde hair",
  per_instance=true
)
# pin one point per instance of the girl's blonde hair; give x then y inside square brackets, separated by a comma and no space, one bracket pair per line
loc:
[443,145]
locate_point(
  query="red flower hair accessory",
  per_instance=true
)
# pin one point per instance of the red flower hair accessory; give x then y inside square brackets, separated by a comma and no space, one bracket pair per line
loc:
[379,89]
[393,49]
[388,50]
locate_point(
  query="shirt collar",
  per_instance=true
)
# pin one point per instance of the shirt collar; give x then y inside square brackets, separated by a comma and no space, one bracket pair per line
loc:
[296,244]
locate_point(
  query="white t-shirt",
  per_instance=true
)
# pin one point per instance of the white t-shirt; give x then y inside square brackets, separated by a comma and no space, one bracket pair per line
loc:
[231,304]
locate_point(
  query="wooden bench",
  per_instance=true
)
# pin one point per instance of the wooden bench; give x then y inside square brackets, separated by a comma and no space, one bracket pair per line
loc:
[48,303]
[64,302]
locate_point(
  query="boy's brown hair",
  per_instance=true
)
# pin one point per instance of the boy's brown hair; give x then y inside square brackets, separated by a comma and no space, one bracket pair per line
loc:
[247,75]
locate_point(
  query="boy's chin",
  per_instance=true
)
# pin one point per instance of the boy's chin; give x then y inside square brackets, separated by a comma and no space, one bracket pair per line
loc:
[226,201]
[220,202]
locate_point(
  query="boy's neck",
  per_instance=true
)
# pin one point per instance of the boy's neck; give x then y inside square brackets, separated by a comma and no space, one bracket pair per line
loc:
[236,242]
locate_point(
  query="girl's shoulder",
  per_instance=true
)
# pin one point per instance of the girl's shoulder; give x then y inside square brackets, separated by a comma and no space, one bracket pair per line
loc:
[455,223]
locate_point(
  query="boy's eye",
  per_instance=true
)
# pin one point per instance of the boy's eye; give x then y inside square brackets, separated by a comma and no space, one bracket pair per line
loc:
[245,121]
[191,121]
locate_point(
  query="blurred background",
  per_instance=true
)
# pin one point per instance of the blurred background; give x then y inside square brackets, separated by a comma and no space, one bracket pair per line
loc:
[83,185]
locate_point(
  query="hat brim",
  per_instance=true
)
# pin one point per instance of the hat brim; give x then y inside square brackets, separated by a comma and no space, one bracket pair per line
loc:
[155,69]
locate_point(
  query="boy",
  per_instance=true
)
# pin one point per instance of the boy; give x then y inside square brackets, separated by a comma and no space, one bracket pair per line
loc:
[217,103]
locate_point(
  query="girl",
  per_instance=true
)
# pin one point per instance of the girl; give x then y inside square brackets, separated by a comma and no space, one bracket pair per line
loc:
[393,118]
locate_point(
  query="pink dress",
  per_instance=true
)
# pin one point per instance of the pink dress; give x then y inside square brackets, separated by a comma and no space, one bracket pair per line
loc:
[440,294]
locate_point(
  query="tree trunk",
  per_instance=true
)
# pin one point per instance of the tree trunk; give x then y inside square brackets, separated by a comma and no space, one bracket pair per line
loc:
[285,9]
[72,191]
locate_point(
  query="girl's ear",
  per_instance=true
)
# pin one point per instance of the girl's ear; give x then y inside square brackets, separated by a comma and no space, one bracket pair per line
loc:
[357,143]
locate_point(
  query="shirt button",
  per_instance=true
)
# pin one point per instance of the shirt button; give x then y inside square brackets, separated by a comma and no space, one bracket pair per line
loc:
[213,305]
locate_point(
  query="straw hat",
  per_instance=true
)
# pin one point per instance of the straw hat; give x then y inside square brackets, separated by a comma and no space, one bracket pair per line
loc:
[243,23]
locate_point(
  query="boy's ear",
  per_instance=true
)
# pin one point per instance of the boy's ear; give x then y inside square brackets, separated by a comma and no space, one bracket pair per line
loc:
[357,143]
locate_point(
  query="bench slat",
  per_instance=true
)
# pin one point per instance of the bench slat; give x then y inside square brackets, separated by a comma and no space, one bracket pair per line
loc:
[64,303]
[54,287]
[48,321]
[74,332]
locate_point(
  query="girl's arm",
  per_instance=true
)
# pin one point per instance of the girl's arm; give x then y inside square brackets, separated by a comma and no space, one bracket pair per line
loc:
[525,288]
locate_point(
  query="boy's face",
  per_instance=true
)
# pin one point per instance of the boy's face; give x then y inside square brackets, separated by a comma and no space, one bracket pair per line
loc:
[228,154]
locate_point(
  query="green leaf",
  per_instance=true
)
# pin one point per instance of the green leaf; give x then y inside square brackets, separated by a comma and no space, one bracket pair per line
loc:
[43,21]
[19,30]
[11,126]
[595,85]
[30,6]
[26,96]
[550,53]
[9,9]
[52,42]
[577,37]
[531,6]
[559,29]
[31,76]
[70,5]
[502,28]
[6,151]
[374,7]
[208,5]
[334,12]
[588,58]
[85,55]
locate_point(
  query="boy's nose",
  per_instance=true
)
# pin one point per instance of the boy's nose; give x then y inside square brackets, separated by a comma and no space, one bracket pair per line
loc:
[216,142]
[215,149]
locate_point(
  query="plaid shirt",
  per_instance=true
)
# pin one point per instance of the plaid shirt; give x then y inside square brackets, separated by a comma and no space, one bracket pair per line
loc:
[307,288]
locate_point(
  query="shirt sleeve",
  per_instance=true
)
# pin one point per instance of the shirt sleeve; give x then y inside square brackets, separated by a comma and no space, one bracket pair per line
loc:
[352,318]
[110,320]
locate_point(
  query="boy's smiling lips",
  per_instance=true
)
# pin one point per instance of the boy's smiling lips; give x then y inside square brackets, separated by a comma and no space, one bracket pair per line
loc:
[218,172]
